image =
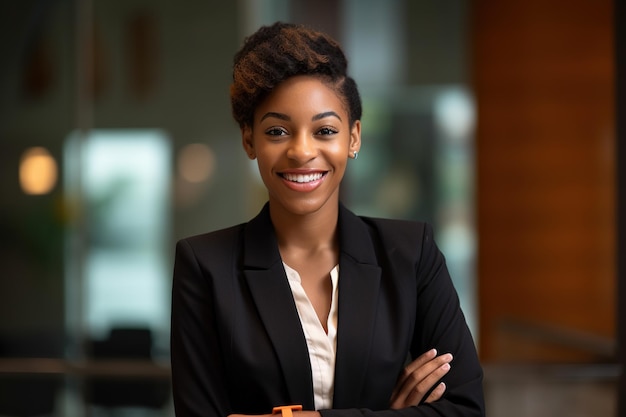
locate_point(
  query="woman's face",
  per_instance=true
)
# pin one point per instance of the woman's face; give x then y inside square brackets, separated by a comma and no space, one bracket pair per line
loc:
[302,139]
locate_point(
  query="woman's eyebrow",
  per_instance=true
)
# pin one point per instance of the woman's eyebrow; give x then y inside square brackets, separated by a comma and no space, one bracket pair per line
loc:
[280,116]
[285,117]
[325,114]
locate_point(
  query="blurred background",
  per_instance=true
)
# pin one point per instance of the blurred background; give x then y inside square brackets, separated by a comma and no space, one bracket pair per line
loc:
[494,121]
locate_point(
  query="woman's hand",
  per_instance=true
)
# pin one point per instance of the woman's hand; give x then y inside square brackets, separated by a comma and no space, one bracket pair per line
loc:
[418,378]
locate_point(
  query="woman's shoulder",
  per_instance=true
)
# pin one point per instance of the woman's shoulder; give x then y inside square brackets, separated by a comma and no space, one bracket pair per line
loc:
[398,228]
[387,232]
[410,240]
[216,239]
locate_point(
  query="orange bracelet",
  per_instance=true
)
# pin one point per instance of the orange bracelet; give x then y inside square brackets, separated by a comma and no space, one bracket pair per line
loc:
[286,410]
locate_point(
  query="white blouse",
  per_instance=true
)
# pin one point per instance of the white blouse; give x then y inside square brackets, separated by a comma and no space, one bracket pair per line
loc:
[322,346]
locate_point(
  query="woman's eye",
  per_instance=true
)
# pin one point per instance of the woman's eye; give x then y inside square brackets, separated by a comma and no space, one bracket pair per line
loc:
[275,131]
[326,131]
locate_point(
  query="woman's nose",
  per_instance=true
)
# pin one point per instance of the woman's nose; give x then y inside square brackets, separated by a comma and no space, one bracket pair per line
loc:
[302,148]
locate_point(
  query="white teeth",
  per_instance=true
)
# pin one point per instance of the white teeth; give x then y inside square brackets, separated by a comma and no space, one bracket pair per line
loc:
[303,178]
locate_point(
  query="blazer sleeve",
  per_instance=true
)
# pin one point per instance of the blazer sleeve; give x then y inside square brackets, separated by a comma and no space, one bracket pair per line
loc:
[439,323]
[197,364]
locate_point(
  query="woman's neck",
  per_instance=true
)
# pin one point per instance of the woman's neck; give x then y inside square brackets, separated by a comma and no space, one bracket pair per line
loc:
[309,233]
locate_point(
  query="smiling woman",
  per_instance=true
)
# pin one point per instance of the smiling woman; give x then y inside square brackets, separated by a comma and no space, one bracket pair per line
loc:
[309,309]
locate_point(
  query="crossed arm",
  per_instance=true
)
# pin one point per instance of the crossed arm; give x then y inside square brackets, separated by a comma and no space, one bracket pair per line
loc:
[415,382]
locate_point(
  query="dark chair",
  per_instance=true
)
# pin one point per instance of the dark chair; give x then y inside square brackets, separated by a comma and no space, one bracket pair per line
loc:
[27,395]
[125,391]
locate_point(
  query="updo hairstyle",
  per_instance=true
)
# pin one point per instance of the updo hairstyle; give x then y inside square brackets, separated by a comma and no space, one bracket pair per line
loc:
[283,50]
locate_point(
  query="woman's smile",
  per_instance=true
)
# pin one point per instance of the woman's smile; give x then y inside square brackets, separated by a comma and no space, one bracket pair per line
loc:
[303,181]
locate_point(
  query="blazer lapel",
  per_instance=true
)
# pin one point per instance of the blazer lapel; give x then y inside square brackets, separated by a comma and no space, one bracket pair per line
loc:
[270,290]
[359,283]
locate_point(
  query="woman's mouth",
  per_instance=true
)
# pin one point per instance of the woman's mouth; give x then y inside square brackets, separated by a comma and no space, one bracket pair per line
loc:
[303,178]
[303,183]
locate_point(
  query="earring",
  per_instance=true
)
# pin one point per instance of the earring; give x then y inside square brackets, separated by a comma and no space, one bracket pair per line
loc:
[356,155]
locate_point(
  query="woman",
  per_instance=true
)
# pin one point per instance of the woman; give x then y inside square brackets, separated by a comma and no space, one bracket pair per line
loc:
[308,304]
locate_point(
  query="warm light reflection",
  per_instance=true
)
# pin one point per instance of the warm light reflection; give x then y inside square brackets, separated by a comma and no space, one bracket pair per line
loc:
[38,171]
[196,162]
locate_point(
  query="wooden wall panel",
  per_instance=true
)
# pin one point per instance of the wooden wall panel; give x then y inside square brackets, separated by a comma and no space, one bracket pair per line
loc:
[544,80]
[620,124]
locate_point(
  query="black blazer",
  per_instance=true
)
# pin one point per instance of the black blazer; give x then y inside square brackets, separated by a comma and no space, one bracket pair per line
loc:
[237,345]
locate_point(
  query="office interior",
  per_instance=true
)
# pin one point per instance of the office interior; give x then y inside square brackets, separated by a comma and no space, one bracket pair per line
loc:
[494,121]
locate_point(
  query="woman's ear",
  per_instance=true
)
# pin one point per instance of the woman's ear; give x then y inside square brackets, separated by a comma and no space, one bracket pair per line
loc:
[355,138]
[248,143]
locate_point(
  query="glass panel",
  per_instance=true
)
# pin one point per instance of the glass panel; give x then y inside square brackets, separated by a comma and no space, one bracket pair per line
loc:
[125,193]
[417,162]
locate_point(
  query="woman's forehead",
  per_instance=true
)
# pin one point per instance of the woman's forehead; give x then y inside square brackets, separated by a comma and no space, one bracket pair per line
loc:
[302,95]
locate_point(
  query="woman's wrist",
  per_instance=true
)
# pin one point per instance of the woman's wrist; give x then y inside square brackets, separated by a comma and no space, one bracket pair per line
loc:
[307,414]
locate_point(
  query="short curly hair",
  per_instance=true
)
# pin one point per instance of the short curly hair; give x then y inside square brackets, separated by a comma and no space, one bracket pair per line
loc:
[283,50]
